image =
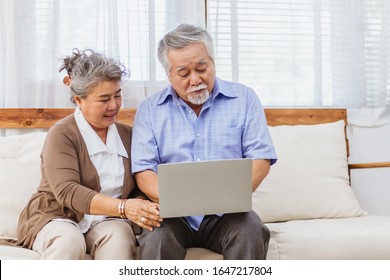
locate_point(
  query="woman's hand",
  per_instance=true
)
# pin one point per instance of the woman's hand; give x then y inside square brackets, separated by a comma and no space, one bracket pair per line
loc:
[144,213]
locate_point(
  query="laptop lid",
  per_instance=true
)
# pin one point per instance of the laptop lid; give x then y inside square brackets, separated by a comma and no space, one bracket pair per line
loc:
[205,187]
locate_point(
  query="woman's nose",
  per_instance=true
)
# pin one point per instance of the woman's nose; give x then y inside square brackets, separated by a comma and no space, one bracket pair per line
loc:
[112,105]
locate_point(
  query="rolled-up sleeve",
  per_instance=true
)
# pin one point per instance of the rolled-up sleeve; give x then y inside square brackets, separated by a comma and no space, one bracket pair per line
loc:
[257,142]
[144,149]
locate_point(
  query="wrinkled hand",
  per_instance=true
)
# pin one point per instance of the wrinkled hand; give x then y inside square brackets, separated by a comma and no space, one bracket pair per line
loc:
[144,213]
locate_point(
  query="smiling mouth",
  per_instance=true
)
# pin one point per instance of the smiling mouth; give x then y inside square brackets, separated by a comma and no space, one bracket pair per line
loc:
[110,116]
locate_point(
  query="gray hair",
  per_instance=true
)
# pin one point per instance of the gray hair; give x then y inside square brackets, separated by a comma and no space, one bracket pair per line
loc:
[87,68]
[181,37]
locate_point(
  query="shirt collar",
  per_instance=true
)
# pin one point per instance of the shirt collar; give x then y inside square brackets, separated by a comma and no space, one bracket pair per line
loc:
[165,94]
[219,89]
[223,89]
[94,144]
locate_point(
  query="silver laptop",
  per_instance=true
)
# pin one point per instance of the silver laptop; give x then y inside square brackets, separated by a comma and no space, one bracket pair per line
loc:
[205,187]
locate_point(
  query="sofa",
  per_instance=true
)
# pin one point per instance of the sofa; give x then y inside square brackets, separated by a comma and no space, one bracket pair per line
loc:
[306,200]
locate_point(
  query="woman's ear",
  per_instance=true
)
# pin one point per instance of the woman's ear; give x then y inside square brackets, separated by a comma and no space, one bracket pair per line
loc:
[77,100]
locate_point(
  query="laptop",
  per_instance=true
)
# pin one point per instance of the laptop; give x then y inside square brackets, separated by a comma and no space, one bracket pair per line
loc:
[205,187]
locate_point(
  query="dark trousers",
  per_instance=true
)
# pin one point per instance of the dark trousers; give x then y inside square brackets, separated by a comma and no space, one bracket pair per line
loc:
[237,236]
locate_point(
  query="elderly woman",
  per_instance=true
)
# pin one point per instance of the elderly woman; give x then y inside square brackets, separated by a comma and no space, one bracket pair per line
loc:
[87,201]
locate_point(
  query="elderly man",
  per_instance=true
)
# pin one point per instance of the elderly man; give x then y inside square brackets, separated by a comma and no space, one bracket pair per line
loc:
[200,117]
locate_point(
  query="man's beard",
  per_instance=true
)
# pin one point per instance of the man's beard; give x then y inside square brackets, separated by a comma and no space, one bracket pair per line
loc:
[198,98]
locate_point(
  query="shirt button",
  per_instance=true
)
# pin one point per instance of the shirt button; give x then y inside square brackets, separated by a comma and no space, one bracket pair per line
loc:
[198,134]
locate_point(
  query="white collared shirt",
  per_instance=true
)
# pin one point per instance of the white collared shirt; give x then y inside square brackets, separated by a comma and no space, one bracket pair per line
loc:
[108,161]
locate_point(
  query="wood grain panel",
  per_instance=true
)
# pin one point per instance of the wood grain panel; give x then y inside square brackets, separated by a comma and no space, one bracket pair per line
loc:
[304,116]
[46,117]
[369,165]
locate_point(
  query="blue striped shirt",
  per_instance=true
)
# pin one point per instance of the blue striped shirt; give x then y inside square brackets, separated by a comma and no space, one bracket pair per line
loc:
[231,124]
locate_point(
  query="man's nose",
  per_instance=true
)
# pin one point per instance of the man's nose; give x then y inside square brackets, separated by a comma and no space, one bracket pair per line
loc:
[195,79]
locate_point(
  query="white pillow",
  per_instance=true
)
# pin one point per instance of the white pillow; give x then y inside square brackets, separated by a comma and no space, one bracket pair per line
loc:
[310,179]
[19,176]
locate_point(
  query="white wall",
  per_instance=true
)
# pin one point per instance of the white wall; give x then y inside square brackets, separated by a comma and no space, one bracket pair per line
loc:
[371,186]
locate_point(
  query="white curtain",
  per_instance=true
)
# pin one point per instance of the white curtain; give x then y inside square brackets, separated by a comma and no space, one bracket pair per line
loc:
[294,53]
[36,34]
[306,53]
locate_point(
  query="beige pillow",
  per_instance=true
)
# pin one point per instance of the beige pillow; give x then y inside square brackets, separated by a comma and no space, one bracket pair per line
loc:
[310,179]
[19,176]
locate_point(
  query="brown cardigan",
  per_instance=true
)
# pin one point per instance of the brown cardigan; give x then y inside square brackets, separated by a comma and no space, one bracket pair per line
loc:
[69,179]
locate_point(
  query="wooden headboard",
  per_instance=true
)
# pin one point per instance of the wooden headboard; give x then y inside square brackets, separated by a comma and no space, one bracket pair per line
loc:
[45,117]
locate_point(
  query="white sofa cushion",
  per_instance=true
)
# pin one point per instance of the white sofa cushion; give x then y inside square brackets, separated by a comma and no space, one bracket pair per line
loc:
[17,253]
[310,179]
[356,238]
[19,176]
